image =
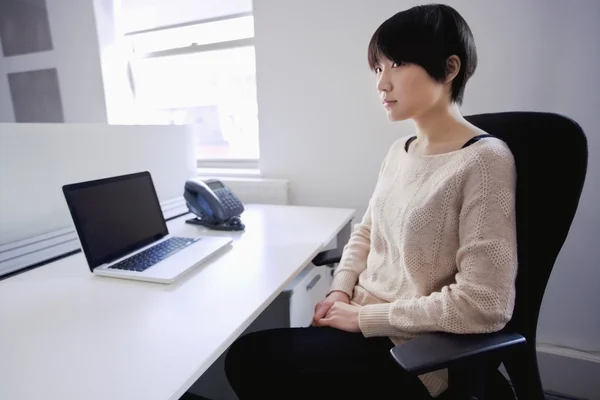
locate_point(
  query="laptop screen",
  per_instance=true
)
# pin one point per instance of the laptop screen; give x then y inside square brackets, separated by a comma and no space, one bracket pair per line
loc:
[115,216]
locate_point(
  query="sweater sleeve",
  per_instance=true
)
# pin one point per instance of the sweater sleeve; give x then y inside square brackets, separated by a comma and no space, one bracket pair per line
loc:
[356,251]
[354,256]
[481,299]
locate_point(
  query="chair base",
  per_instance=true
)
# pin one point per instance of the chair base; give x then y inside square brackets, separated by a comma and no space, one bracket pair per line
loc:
[496,388]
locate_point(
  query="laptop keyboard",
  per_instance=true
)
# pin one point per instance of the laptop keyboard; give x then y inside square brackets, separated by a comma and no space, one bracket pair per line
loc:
[154,255]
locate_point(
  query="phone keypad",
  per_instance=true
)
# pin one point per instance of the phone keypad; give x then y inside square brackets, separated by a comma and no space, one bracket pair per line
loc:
[233,205]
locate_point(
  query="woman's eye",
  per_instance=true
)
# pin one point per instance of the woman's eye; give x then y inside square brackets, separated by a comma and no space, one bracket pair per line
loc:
[377,70]
[396,65]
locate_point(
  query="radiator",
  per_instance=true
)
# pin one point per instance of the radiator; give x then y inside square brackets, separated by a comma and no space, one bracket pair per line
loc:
[259,190]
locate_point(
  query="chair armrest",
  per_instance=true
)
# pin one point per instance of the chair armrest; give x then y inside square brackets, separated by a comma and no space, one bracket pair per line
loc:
[328,257]
[435,351]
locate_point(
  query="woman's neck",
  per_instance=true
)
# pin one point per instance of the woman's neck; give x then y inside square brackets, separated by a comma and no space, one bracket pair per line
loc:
[441,124]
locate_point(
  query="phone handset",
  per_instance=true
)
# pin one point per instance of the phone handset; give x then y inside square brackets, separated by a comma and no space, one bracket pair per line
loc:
[215,205]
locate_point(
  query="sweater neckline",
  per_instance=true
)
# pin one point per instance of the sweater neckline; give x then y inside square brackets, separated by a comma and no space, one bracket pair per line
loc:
[446,154]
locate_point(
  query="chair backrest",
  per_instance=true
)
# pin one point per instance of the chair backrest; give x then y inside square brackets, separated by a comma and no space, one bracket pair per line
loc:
[551,156]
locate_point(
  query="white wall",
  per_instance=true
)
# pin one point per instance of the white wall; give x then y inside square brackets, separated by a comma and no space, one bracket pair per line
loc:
[322,127]
[36,160]
[76,57]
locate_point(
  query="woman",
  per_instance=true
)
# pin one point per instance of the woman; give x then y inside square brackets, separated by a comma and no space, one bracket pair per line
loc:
[435,250]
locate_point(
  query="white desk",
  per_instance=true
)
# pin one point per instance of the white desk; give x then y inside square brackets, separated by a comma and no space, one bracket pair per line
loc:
[67,334]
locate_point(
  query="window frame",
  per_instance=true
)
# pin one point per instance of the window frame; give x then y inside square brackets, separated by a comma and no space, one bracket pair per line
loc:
[205,163]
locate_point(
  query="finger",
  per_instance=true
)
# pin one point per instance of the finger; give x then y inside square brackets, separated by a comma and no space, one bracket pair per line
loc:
[321,311]
[332,311]
[332,322]
[335,322]
[326,322]
[318,315]
[315,321]
[317,306]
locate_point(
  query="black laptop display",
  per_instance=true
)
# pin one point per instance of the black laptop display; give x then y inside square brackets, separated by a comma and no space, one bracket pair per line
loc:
[115,216]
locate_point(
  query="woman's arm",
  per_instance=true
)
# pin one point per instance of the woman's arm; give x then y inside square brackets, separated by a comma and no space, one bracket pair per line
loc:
[356,251]
[354,257]
[482,298]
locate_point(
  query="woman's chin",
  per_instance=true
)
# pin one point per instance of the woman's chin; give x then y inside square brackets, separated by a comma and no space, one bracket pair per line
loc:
[396,115]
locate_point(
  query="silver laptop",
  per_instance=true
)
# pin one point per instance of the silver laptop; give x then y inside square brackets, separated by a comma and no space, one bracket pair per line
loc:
[123,233]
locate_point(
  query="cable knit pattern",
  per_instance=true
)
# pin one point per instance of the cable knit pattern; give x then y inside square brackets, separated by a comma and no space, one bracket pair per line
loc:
[436,248]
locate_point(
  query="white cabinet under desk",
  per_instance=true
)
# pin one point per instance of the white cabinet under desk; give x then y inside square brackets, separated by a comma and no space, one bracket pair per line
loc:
[311,287]
[312,284]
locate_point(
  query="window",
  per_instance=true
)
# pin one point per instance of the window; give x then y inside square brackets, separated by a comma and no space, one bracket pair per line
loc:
[202,74]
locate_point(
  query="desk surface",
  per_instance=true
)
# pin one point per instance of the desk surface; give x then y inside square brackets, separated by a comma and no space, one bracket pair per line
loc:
[68,334]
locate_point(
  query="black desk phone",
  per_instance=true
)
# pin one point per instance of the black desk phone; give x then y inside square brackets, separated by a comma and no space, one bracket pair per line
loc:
[215,206]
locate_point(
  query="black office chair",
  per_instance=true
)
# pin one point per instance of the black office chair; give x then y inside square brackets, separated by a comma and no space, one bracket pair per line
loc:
[550,151]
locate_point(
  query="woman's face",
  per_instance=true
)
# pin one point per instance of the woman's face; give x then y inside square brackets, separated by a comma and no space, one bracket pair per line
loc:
[406,90]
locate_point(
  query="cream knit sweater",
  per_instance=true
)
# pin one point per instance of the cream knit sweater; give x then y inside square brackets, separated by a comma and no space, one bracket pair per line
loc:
[436,249]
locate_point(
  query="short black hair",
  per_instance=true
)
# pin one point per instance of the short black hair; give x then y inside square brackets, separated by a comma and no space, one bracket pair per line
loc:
[427,35]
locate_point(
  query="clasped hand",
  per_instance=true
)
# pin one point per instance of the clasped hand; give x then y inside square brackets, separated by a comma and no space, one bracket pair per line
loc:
[337,312]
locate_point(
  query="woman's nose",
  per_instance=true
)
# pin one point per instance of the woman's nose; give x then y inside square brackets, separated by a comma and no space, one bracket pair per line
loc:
[383,83]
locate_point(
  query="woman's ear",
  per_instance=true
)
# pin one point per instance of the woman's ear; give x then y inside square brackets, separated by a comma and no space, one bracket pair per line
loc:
[452,68]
